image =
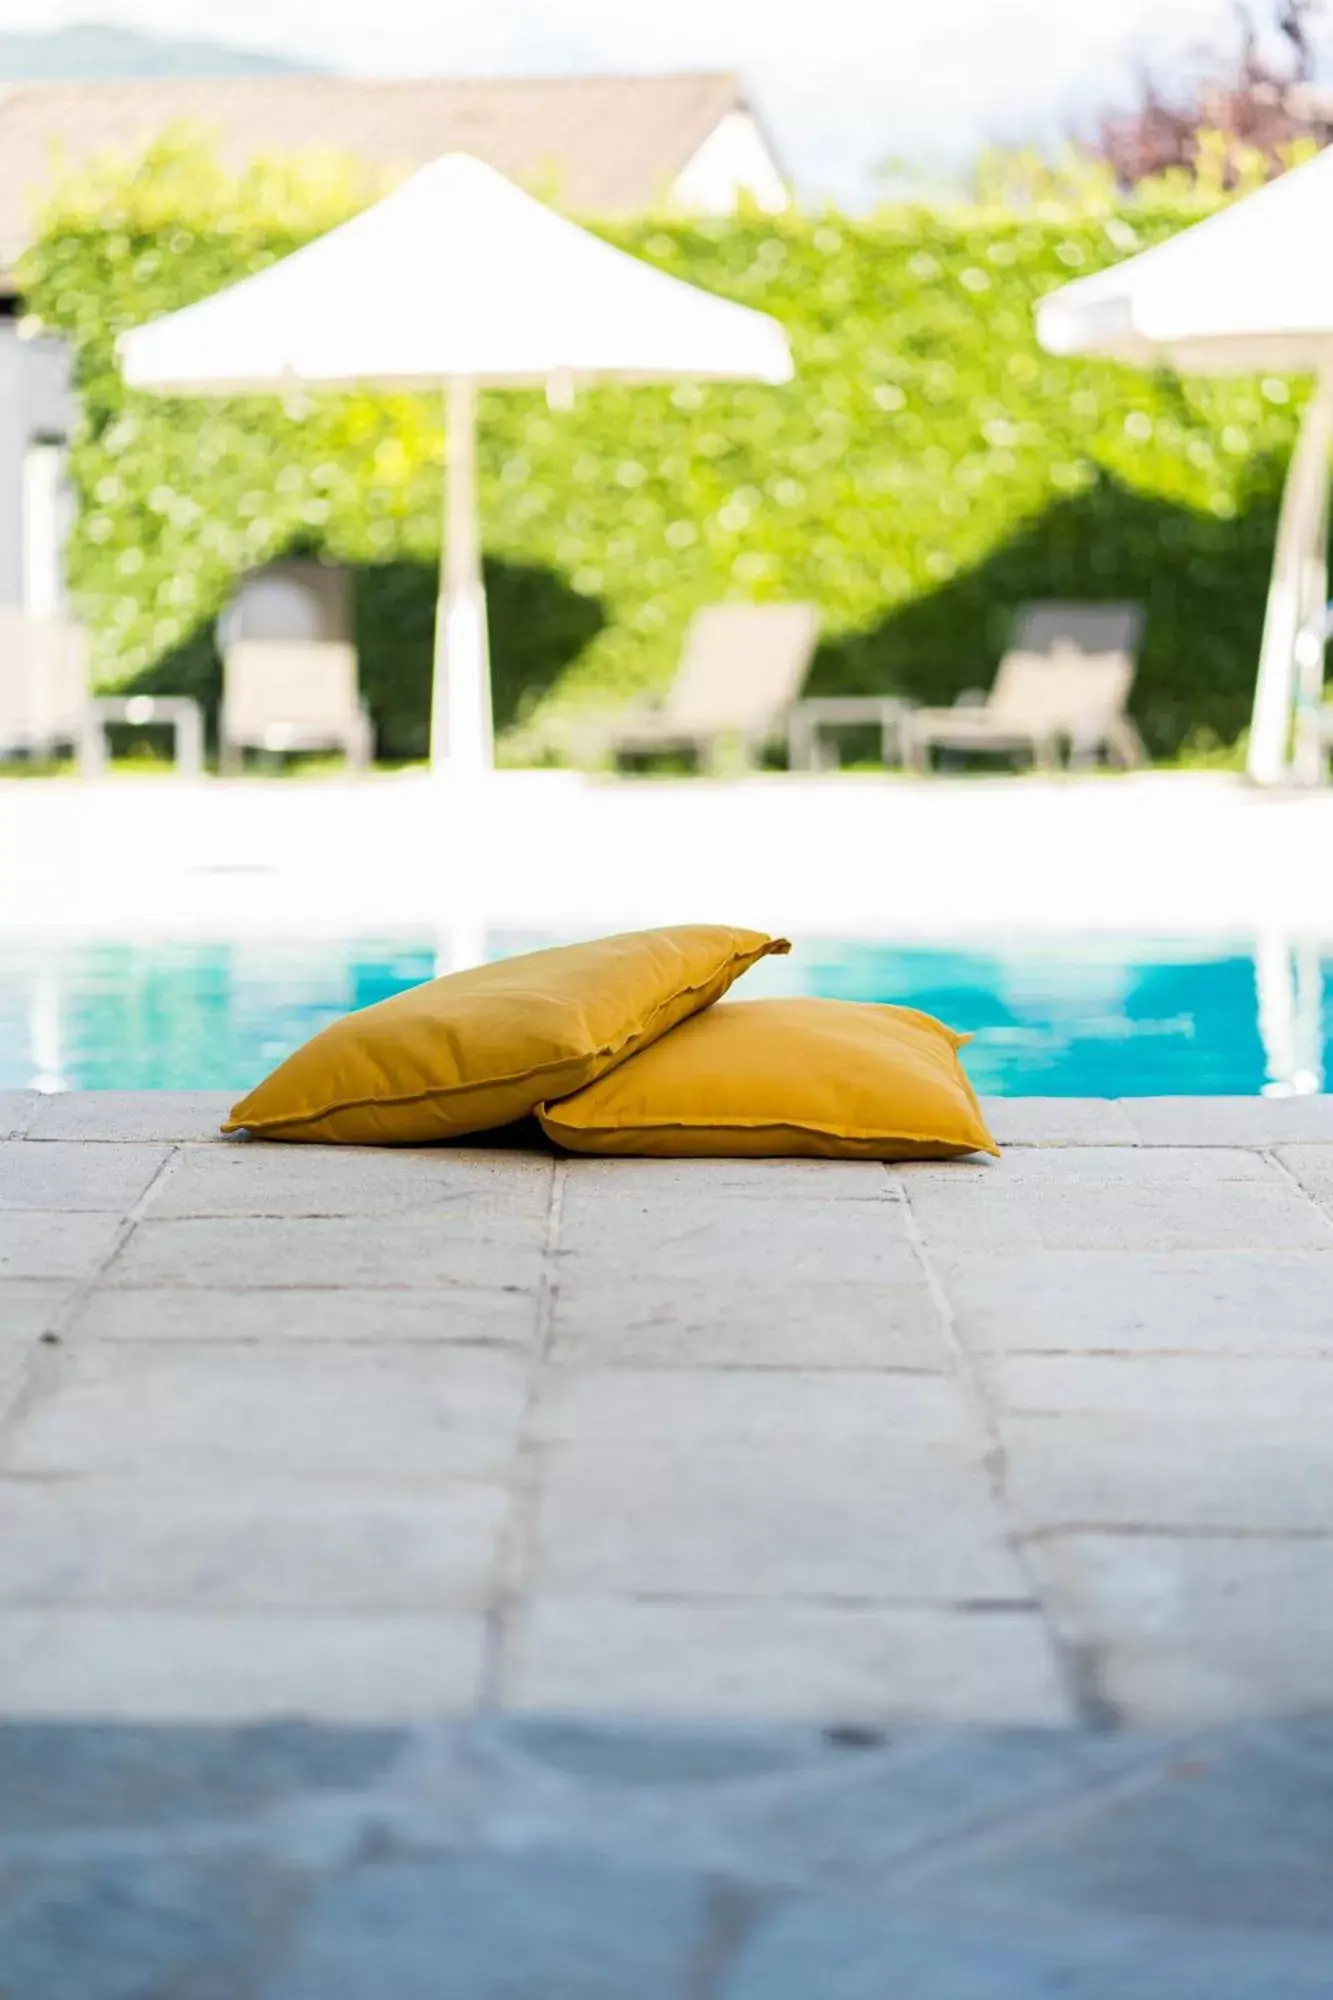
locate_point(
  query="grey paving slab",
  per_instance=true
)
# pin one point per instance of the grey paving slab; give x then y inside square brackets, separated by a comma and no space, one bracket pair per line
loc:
[444,1929]
[834,1521]
[248,1546]
[873,1665]
[73,1177]
[1179,1846]
[16,1109]
[130,1925]
[29,1307]
[153,1666]
[51,1244]
[1198,1629]
[401,1414]
[1058,1121]
[333,1251]
[1159,1471]
[1230,1121]
[696,1408]
[1269,1302]
[166,1116]
[357,1313]
[1249,1394]
[1312,1166]
[81,1777]
[844,1808]
[688,1323]
[291,1181]
[15,1361]
[785,1242]
[1071,1214]
[1139,1166]
[589,1181]
[806,1950]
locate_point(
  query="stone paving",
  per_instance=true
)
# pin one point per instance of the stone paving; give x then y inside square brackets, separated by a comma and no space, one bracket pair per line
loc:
[545,1859]
[955,1541]
[378,1435]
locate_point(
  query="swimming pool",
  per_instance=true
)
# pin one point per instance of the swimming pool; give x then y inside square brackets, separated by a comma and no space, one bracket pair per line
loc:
[1079,1018]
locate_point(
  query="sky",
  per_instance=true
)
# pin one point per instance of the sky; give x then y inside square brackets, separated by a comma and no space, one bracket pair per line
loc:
[844,85]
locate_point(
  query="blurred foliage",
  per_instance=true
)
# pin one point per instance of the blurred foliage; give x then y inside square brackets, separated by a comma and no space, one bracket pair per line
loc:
[928,469]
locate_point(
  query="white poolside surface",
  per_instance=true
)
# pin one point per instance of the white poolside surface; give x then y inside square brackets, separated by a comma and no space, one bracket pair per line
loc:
[556,852]
[373,1435]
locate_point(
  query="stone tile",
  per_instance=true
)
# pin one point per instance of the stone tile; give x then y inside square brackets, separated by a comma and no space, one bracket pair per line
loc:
[152,1546]
[291,1181]
[1199,1629]
[51,1244]
[1058,1121]
[1180,1845]
[853,1663]
[163,1667]
[1312,1166]
[395,1414]
[1217,1301]
[659,1182]
[643,1408]
[1079,1215]
[65,1777]
[16,1109]
[166,1116]
[119,1926]
[73,1177]
[29,1307]
[1162,1471]
[15,1360]
[502,1927]
[831,1805]
[825,1522]
[464,1313]
[663,1323]
[1142,1166]
[1251,1394]
[780,1242]
[334,1251]
[1230,1121]
[802,1949]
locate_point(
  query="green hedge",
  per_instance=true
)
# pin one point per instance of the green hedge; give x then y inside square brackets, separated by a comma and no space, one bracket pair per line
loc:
[928,469]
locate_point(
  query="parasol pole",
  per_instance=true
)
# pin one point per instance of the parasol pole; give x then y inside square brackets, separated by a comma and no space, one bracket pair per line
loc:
[461,735]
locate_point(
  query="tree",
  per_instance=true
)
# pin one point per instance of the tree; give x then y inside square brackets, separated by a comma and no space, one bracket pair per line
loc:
[1239,120]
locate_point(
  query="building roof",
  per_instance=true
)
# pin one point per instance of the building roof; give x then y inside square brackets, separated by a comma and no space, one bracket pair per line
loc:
[602,145]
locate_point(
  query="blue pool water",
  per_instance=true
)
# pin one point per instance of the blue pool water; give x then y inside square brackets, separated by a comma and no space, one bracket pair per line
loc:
[1120,1018]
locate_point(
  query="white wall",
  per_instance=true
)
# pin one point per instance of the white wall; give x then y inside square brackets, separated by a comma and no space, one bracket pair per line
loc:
[734,158]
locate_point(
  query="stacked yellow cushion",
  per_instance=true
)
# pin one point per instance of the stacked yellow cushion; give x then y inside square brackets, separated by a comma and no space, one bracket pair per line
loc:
[478,1049]
[823,1078]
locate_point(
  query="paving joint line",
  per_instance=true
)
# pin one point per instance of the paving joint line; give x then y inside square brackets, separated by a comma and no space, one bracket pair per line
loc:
[515,1555]
[1270,1153]
[44,1358]
[1078,1667]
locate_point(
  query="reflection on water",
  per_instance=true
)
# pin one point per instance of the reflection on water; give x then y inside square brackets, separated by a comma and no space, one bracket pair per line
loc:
[1093,1018]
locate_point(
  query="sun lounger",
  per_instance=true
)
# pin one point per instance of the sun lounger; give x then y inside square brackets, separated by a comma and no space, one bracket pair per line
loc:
[741,670]
[1063,683]
[44,680]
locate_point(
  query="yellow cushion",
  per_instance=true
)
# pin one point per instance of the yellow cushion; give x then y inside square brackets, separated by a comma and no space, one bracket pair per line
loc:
[838,1079]
[477,1049]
